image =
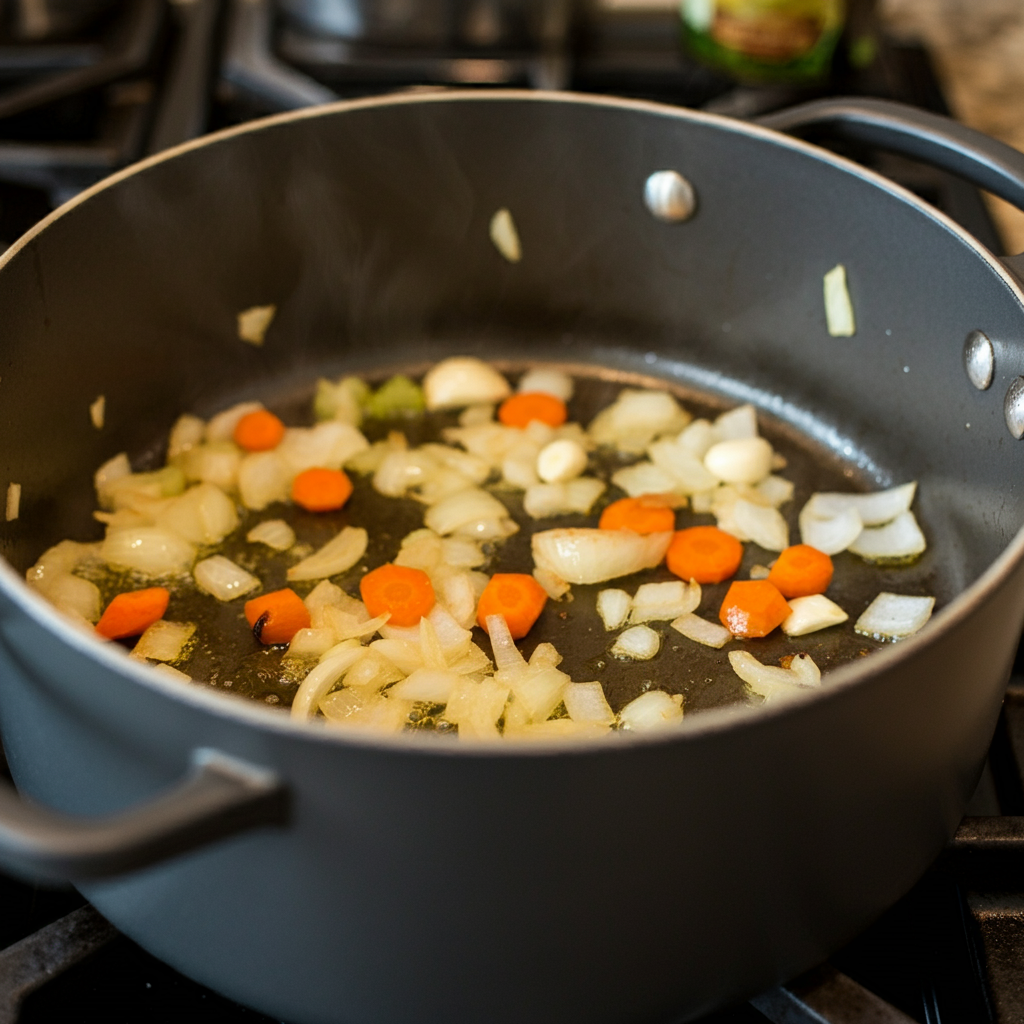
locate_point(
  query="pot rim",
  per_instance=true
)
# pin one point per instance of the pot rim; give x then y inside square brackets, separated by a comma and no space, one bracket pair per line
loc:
[704,725]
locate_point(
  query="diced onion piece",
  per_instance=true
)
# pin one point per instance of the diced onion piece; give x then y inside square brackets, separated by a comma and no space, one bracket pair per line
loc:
[326,593]
[463,380]
[635,418]
[222,426]
[737,423]
[488,529]
[188,432]
[275,533]
[147,549]
[682,465]
[639,643]
[59,560]
[457,594]
[113,469]
[897,541]
[659,602]
[13,507]
[318,683]
[551,382]
[776,490]
[652,710]
[830,535]
[223,579]
[760,572]
[461,553]
[404,655]
[838,307]
[613,606]
[98,412]
[539,690]
[545,656]
[554,586]
[253,323]
[72,595]
[366,710]
[561,460]
[745,460]
[402,470]
[698,437]
[328,445]
[474,415]
[505,236]
[263,478]
[336,556]
[577,495]
[346,626]
[519,471]
[475,708]
[645,478]
[593,556]
[774,682]
[373,669]
[764,526]
[164,641]
[432,686]
[586,702]
[507,656]
[471,466]
[204,514]
[809,614]
[311,643]
[173,673]
[874,509]
[215,463]
[701,631]
[466,507]
[894,616]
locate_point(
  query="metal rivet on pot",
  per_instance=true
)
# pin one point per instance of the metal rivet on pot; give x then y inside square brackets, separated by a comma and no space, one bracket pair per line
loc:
[979,360]
[1013,407]
[669,196]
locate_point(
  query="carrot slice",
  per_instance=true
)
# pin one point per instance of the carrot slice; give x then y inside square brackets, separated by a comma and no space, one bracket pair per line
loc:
[801,571]
[753,608]
[321,490]
[133,613]
[259,431]
[649,513]
[520,598]
[275,618]
[705,554]
[404,592]
[521,409]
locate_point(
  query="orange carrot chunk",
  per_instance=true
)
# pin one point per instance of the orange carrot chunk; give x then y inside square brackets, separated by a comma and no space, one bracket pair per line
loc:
[133,613]
[520,598]
[705,554]
[321,490]
[753,608]
[649,513]
[275,618]
[520,410]
[259,431]
[801,571]
[404,592]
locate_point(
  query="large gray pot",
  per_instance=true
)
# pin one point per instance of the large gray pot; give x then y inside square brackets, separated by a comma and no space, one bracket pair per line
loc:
[404,880]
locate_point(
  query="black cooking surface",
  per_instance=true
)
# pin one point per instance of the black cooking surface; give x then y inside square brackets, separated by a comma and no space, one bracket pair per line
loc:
[151,73]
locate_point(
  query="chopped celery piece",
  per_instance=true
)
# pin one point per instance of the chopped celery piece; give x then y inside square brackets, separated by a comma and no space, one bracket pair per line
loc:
[340,400]
[395,397]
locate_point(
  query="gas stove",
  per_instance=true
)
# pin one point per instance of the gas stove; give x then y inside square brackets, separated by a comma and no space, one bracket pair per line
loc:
[89,87]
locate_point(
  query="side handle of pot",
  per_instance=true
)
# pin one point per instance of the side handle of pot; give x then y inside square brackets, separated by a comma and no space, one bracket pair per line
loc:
[219,797]
[931,138]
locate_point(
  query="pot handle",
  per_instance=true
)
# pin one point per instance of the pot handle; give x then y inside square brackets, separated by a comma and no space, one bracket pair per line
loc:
[931,138]
[219,797]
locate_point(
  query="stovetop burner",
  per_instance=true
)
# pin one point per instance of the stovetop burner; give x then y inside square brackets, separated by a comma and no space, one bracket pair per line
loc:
[146,74]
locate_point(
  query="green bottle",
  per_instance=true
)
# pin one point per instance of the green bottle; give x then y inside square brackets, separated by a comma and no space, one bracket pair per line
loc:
[773,40]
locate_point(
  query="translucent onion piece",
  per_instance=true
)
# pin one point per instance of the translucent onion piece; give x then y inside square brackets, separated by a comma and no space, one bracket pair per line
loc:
[204,514]
[373,669]
[421,549]
[432,686]
[551,382]
[346,626]
[222,426]
[659,602]
[773,682]
[809,614]
[507,657]
[72,595]
[894,616]
[469,506]
[489,441]
[639,643]
[554,586]
[311,643]
[593,556]
[453,638]
[474,415]
[586,702]
[652,710]
[463,380]
[328,445]
[62,558]
[318,683]
[336,556]
[776,490]
[698,437]
[323,594]
[461,553]
[830,535]
[838,307]
[468,465]
[474,662]
[187,432]
[173,673]
[98,412]
[164,641]
[545,655]
[13,506]
[253,323]
[898,541]
[275,533]
[745,460]
[645,478]
[539,691]
[737,423]
[682,465]
[488,529]
[613,606]
[561,460]
[403,655]
[365,710]
[635,418]
[874,509]
[505,236]
[263,477]
[519,471]
[402,470]
[577,496]
[223,579]
[457,595]
[710,634]
[764,526]
[147,549]
[475,708]
[216,463]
